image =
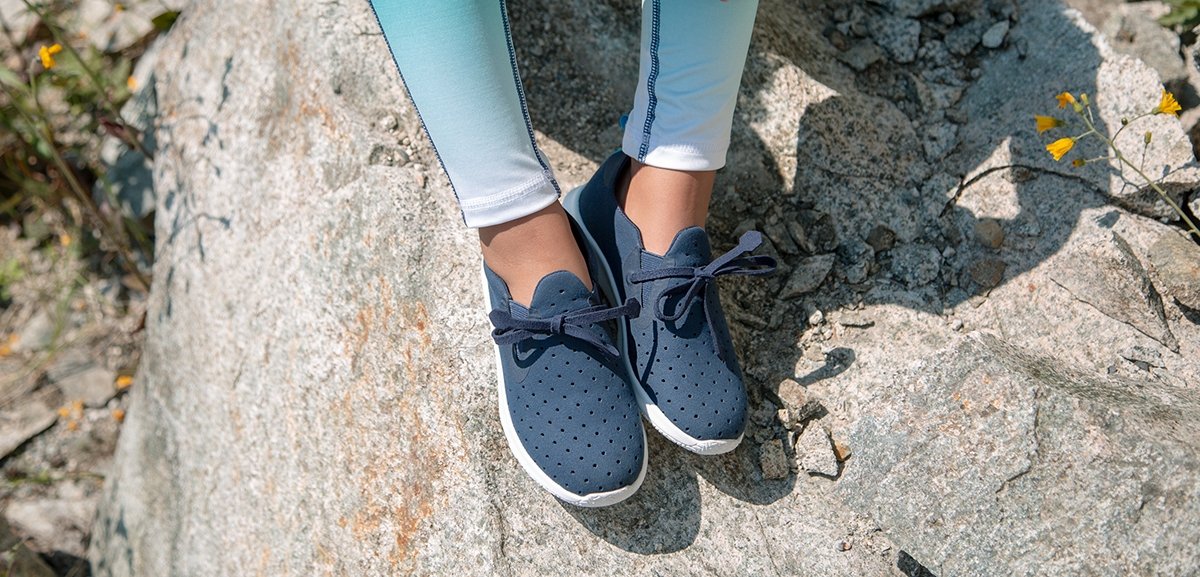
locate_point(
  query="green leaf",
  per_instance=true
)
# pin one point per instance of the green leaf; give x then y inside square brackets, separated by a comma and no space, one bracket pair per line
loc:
[164,21]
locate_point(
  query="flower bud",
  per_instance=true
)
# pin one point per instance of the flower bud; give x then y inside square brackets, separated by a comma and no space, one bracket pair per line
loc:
[1148,137]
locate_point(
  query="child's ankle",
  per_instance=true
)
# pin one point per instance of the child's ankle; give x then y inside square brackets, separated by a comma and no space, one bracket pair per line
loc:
[662,202]
[525,250]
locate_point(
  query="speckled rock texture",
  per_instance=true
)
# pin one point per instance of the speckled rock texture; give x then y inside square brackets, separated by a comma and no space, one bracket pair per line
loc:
[1037,468]
[317,395]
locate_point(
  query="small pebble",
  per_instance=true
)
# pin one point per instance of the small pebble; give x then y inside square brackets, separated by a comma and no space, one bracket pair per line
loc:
[988,272]
[995,35]
[792,393]
[784,416]
[816,318]
[841,449]
[815,452]
[989,233]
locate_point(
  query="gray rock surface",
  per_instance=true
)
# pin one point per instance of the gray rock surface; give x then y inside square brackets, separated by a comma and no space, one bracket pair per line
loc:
[81,379]
[18,560]
[774,460]
[1105,273]
[980,453]
[61,523]
[915,264]
[1175,262]
[900,37]
[814,453]
[27,417]
[37,333]
[316,390]
[1133,29]
[808,275]
[995,35]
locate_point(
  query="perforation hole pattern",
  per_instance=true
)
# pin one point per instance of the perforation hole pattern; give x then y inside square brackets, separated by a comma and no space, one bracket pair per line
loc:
[574,415]
[701,394]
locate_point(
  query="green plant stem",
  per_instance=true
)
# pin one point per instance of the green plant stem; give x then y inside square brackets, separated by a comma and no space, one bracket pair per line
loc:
[101,87]
[1154,185]
[76,187]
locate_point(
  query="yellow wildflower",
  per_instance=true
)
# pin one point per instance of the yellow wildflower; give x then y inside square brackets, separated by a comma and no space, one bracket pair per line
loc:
[64,240]
[46,53]
[118,415]
[131,83]
[1168,105]
[1059,148]
[1045,123]
[123,382]
[6,348]
[1064,99]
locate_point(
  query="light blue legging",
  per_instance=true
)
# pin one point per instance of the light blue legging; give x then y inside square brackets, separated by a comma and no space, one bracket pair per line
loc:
[456,59]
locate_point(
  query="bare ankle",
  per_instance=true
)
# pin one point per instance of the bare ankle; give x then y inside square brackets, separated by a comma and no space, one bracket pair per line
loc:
[662,202]
[525,250]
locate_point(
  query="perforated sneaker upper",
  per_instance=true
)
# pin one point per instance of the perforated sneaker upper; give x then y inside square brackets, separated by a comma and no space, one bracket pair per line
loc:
[679,344]
[701,392]
[574,414]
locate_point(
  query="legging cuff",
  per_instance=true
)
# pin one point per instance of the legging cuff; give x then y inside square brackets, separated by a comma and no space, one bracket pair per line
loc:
[692,157]
[519,201]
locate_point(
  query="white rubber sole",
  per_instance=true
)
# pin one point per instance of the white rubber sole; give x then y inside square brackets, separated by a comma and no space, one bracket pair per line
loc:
[526,461]
[649,409]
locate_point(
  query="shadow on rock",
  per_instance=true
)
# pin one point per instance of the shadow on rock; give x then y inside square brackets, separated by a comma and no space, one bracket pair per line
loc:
[662,517]
[918,179]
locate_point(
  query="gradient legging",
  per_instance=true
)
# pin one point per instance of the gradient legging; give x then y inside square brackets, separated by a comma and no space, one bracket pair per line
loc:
[456,60]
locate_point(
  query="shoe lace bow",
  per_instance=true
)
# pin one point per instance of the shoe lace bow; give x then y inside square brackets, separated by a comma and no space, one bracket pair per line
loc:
[510,330]
[698,278]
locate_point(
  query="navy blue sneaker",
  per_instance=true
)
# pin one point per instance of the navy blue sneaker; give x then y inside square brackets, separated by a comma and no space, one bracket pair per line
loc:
[677,349]
[569,417]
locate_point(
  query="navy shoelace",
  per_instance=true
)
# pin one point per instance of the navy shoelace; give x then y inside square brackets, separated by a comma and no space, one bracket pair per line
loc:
[730,263]
[509,330]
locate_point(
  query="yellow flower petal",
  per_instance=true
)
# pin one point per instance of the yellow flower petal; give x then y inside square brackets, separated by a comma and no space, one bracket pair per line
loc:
[123,382]
[46,53]
[1064,99]
[1045,123]
[8,344]
[1168,105]
[131,83]
[1059,148]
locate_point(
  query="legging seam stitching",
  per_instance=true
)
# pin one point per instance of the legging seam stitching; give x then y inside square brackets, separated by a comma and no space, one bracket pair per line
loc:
[652,97]
[420,119]
[512,60]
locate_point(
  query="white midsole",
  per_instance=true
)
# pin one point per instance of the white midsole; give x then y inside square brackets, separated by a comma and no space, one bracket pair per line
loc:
[526,461]
[649,409]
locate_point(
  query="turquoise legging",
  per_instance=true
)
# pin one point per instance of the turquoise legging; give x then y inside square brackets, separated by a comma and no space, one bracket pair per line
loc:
[456,59]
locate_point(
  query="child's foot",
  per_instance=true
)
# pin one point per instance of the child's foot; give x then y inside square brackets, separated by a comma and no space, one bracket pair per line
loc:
[680,355]
[569,417]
